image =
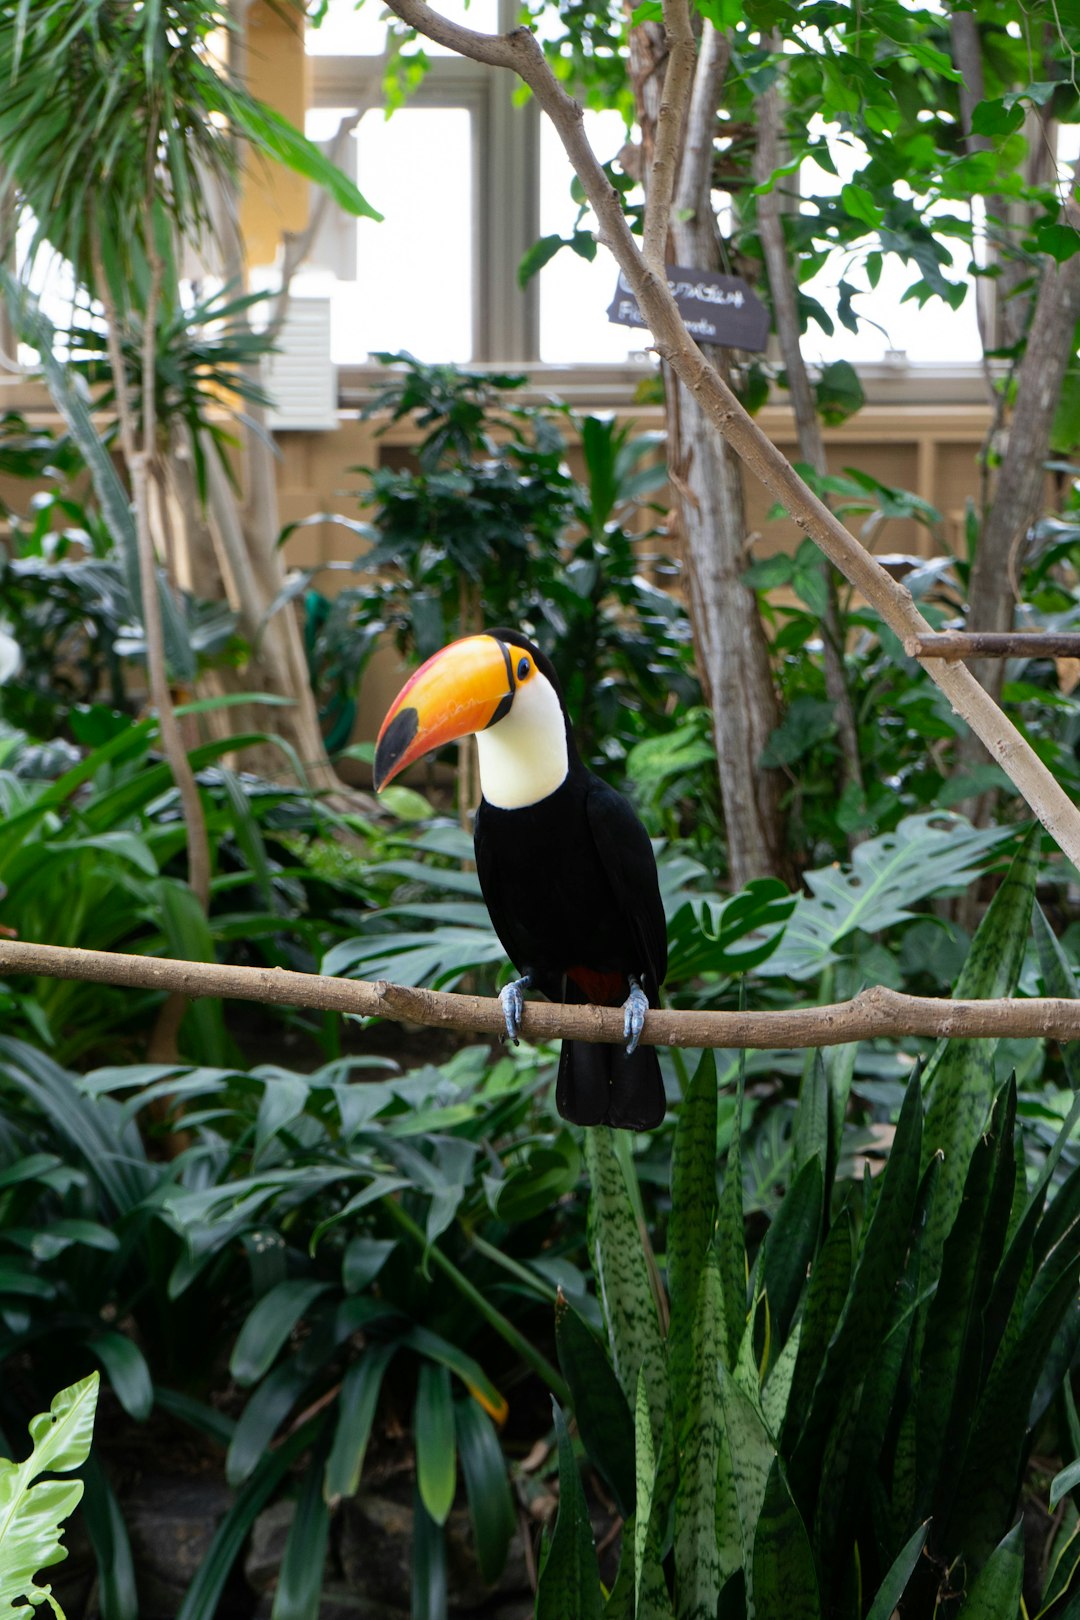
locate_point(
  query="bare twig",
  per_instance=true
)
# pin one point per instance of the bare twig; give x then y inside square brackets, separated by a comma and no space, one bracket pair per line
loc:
[873,1012]
[669,127]
[520,52]
[953,644]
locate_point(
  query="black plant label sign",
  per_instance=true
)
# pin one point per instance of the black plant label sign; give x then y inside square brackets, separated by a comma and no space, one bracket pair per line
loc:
[722,310]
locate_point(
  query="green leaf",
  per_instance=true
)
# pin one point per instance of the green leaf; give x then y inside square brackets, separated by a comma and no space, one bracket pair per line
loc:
[785,1582]
[128,1373]
[105,1526]
[731,1234]
[1066,1480]
[857,201]
[428,1565]
[750,1453]
[268,1325]
[838,392]
[472,1375]
[959,1076]
[433,1437]
[698,1571]
[356,1413]
[622,1277]
[300,1575]
[600,1408]
[272,133]
[202,1598]
[855,1342]
[899,1573]
[569,1582]
[487,1488]
[535,258]
[790,1244]
[923,856]
[807,722]
[996,1591]
[31,1514]
[692,1224]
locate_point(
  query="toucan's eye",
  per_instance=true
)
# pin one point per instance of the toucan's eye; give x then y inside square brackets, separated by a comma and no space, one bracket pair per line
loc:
[523,669]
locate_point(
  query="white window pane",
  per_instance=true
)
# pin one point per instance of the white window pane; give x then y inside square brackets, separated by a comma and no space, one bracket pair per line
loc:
[349,29]
[413,288]
[888,328]
[575,294]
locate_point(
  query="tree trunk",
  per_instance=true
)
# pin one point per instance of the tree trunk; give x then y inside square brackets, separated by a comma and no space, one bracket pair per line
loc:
[733,654]
[781,275]
[1021,480]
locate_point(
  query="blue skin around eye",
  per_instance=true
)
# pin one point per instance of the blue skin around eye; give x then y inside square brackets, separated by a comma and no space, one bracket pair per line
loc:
[523,669]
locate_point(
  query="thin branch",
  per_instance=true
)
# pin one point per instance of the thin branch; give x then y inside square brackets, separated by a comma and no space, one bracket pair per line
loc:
[520,52]
[874,1012]
[695,174]
[669,128]
[953,644]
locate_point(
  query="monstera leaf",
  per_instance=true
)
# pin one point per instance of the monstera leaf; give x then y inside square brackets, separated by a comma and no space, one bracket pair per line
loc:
[32,1510]
[926,855]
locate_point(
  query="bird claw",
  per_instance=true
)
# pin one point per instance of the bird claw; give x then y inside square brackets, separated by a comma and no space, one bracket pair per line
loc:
[512,1002]
[635,1007]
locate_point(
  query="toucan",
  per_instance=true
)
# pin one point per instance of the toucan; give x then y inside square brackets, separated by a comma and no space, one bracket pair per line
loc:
[565,866]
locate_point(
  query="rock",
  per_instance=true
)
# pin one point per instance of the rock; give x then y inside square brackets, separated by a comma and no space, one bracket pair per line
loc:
[171,1522]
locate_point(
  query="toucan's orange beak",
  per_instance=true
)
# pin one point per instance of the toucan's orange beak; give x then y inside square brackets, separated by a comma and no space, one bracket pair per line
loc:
[465,687]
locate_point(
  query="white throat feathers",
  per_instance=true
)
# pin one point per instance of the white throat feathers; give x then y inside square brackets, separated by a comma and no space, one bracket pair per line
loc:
[524,757]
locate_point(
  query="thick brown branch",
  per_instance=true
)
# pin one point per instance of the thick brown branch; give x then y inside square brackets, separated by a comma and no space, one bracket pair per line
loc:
[521,53]
[953,644]
[873,1012]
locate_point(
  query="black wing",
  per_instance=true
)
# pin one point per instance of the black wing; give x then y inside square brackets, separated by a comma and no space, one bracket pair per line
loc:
[627,857]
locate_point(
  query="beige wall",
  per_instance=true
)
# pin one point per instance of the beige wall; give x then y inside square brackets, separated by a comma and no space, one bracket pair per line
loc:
[930,451]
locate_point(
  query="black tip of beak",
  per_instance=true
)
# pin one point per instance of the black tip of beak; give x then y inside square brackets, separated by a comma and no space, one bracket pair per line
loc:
[393,743]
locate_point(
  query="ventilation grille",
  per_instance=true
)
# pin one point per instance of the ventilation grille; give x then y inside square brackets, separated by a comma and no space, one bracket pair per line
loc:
[299,377]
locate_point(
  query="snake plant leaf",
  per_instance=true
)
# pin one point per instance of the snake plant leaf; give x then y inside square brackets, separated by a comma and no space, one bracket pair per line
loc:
[600,1408]
[785,1583]
[826,1293]
[896,1579]
[655,1474]
[1058,980]
[622,1278]
[693,1221]
[698,1573]
[995,1592]
[954,1346]
[790,1244]
[959,1076]
[731,1235]
[749,1454]
[569,1582]
[856,1340]
[32,1509]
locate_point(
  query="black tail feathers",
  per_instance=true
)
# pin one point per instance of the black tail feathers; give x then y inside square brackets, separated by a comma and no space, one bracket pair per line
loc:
[602,1085]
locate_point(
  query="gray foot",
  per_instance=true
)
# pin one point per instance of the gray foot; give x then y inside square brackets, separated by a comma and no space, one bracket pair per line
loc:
[512,1001]
[635,1007]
